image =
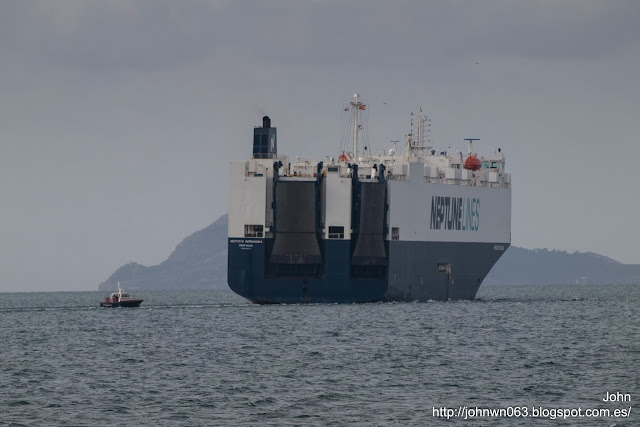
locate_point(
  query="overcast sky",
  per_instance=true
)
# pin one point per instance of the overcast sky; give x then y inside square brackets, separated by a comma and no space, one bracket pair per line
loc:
[118,118]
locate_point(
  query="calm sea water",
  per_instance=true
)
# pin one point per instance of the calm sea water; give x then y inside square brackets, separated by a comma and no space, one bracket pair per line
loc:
[210,358]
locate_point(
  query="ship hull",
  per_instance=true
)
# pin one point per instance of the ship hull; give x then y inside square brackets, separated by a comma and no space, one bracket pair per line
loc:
[417,271]
[423,271]
[131,303]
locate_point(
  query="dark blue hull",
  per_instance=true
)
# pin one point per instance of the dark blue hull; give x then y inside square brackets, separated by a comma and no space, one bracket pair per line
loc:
[417,271]
[132,303]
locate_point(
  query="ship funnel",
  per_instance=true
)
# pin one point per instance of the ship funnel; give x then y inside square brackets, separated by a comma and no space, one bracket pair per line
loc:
[265,145]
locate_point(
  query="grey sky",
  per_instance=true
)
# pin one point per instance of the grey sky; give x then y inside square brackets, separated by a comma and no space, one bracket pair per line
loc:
[118,119]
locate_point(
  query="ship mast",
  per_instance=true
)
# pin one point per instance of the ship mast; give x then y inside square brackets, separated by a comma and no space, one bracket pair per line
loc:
[470,142]
[357,105]
[415,148]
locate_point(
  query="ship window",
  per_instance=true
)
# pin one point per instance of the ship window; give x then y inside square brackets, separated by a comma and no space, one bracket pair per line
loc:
[336,232]
[395,233]
[253,230]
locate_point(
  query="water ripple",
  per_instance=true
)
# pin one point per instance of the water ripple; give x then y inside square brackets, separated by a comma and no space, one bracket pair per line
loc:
[210,358]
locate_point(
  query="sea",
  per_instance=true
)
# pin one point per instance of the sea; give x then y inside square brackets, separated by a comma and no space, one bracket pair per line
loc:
[517,355]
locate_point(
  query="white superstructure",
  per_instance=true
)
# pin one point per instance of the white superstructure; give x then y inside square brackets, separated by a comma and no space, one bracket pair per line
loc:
[414,178]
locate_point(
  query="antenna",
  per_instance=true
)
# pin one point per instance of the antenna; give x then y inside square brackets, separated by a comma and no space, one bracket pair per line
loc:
[421,126]
[357,105]
[470,141]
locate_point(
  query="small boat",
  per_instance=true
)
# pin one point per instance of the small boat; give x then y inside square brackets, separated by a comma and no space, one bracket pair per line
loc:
[121,299]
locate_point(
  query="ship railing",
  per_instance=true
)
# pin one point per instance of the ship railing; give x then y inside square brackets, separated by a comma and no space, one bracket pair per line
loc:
[265,156]
[460,182]
[391,177]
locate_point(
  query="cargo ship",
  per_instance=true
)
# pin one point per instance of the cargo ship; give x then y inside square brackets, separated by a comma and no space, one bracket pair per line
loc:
[421,225]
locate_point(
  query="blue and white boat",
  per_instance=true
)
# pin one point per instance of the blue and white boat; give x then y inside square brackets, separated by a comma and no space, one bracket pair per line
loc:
[422,225]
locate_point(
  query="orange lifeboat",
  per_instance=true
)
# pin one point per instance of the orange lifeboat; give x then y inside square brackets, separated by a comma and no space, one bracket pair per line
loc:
[343,158]
[472,163]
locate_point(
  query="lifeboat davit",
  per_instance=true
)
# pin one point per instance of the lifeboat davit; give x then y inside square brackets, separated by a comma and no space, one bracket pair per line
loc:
[472,163]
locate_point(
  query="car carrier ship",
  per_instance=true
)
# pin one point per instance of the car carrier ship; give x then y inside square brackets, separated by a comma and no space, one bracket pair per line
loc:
[418,226]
